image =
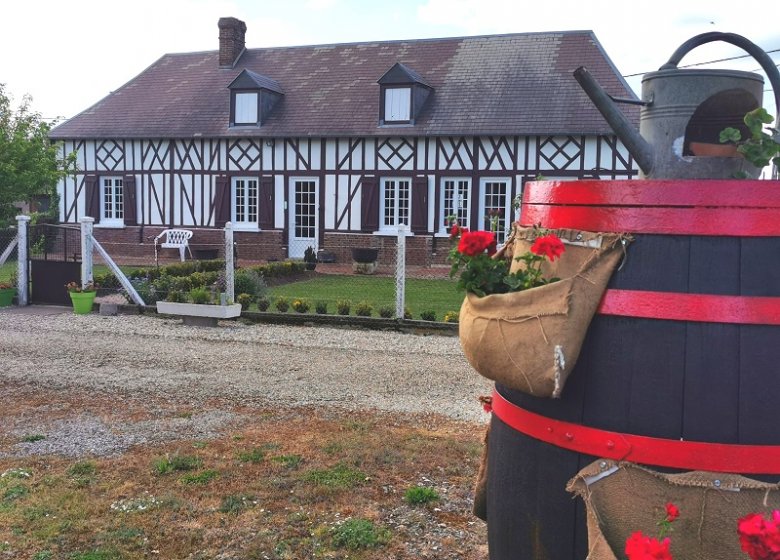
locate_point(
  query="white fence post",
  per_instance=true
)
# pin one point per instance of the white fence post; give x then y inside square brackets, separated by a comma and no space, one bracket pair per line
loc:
[86,250]
[230,275]
[400,273]
[22,263]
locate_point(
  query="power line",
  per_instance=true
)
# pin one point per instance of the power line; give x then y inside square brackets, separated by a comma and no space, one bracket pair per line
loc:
[708,62]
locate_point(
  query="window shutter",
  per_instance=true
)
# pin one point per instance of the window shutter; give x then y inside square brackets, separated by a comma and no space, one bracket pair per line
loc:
[128,200]
[92,197]
[419,205]
[369,204]
[221,202]
[265,201]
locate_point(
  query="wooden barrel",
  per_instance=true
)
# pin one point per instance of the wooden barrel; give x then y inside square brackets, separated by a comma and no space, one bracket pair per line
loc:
[685,345]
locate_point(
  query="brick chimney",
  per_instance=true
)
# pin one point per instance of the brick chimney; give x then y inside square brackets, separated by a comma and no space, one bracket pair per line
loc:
[231,41]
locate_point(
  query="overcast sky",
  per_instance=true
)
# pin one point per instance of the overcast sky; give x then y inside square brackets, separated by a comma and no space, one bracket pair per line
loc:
[68,55]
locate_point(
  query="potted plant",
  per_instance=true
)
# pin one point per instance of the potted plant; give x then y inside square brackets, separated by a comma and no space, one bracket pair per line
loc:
[760,148]
[364,260]
[198,307]
[82,297]
[7,293]
[310,258]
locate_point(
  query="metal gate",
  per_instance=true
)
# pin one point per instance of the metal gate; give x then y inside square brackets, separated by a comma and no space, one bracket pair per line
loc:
[55,259]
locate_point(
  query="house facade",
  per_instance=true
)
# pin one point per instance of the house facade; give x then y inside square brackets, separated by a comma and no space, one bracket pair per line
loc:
[336,146]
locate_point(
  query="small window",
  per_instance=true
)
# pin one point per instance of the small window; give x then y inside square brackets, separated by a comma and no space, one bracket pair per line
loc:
[396,203]
[495,206]
[398,104]
[246,108]
[456,193]
[111,201]
[244,213]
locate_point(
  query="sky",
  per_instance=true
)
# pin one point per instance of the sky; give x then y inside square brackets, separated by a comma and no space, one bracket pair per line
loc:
[69,55]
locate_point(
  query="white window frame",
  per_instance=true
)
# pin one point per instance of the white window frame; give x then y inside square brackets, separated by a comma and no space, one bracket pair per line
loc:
[112,202]
[461,205]
[487,201]
[398,200]
[246,108]
[398,104]
[242,210]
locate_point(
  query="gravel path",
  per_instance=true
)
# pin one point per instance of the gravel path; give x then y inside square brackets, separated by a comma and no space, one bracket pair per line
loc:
[246,364]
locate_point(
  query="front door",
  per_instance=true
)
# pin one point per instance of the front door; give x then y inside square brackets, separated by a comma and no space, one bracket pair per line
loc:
[304,210]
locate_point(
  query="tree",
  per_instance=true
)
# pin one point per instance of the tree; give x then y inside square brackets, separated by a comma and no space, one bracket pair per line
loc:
[30,164]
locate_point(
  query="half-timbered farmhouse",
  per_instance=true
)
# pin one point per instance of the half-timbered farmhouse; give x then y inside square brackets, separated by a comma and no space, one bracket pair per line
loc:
[335,146]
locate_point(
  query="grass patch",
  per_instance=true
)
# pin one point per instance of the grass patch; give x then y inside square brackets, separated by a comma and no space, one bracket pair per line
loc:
[236,503]
[355,534]
[203,477]
[32,438]
[420,495]
[437,295]
[165,465]
[97,554]
[289,461]
[254,455]
[339,476]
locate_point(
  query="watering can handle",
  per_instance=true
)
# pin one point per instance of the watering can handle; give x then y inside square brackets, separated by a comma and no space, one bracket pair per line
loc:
[738,40]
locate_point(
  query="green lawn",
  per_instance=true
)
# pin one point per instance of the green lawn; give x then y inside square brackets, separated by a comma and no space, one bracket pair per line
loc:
[439,296]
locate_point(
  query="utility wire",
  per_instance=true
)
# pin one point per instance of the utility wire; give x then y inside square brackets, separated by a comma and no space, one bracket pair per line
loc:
[707,62]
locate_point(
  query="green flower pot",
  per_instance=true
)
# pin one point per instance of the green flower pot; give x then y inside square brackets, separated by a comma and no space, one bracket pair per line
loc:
[6,296]
[82,302]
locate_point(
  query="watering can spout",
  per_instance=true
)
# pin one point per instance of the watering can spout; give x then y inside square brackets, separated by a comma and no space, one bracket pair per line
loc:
[642,152]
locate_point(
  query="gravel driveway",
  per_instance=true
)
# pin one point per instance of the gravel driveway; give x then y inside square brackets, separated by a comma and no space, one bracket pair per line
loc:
[146,357]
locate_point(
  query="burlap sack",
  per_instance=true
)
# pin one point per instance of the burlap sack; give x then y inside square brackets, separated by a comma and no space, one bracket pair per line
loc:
[530,340]
[624,497]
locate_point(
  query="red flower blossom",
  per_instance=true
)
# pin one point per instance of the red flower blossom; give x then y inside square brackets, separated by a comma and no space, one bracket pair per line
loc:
[472,243]
[549,246]
[641,547]
[759,537]
[454,231]
[672,512]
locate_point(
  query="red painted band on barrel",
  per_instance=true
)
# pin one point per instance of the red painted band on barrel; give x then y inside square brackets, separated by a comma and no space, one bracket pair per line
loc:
[672,453]
[711,208]
[705,308]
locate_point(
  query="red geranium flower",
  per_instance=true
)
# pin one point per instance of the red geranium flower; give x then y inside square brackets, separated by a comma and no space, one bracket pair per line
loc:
[472,243]
[549,246]
[454,231]
[672,512]
[641,547]
[760,537]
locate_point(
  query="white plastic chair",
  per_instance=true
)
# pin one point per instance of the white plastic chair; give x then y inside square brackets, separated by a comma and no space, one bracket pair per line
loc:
[174,239]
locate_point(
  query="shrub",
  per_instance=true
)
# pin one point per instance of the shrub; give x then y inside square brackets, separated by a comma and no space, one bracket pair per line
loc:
[321,307]
[420,495]
[386,311]
[282,304]
[249,281]
[407,313]
[263,304]
[358,533]
[428,315]
[245,300]
[198,279]
[175,297]
[451,317]
[181,283]
[107,281]
[200,295]
[145,289]
[343,306]
[364,309]
[301,305]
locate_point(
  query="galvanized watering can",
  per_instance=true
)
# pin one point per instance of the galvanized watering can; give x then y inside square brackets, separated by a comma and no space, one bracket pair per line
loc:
[684,111]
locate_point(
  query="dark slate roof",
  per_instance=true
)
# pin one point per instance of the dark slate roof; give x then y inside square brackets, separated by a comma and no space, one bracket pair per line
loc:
[400,74]
[501,84]
[251,80]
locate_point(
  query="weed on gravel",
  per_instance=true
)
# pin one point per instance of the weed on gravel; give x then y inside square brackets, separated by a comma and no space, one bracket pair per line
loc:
[289,484]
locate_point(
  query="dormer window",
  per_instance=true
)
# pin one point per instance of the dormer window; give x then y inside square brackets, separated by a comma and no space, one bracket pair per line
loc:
[398,104]
[246,108]
[252,98]
[403,94]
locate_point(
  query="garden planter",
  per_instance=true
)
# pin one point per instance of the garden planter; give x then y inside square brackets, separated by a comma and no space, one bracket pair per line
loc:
[82,302]
[682,349]
[6,296]
[363,255]
[199,314]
